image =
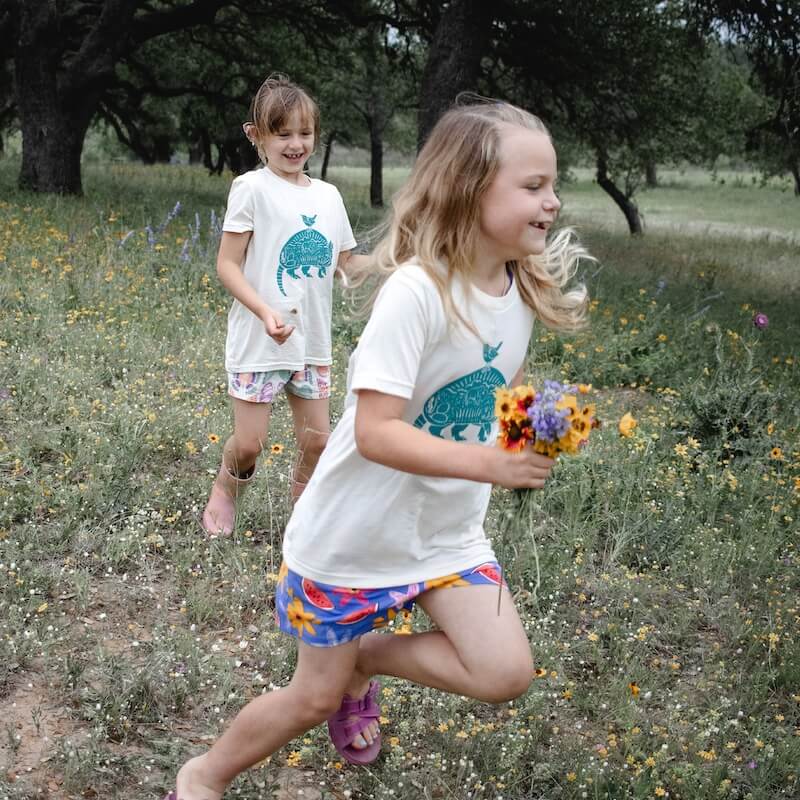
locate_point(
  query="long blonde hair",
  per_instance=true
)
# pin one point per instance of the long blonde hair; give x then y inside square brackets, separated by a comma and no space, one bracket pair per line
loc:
[435,217]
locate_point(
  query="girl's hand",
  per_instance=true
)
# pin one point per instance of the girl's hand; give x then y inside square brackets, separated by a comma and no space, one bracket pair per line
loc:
[275,326]
[525,470]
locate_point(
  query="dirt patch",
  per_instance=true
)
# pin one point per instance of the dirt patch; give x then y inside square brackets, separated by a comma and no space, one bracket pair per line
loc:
[35,721]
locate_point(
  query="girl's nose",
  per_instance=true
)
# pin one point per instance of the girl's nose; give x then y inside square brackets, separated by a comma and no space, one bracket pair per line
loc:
[554,202]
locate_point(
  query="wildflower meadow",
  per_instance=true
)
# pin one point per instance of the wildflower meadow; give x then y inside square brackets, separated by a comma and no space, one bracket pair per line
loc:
[658,574]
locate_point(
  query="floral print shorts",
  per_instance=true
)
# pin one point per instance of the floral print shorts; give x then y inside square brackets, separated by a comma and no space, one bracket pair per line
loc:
[310,383]
[325,616]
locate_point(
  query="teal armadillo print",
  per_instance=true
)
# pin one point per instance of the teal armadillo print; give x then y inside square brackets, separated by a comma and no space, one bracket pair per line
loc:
[468,400]
[306,250]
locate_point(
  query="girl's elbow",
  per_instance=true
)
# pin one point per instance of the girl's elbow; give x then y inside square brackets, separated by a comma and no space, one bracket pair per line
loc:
[362,442]
[366,442]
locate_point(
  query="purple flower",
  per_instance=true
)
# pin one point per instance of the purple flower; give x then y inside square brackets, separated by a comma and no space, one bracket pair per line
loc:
[760,320]
[549,422]
[752,765]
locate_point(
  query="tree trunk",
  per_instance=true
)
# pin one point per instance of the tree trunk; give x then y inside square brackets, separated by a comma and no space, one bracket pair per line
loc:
[650,174]
[375,165]
[454,60]
[196,152]
[58,86]
[626,205]
[326,158]
[53,126]
[162,150]
[794,166]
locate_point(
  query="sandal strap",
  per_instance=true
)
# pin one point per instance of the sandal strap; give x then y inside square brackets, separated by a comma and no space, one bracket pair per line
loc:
[362,705]
[343,718]
[354,728]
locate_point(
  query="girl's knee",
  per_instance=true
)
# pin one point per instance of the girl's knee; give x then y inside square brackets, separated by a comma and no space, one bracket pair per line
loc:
[311,444]
[245,450]
[318,703]
[507,681]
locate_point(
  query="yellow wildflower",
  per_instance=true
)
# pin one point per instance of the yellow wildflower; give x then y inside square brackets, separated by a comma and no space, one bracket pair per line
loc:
[627,424]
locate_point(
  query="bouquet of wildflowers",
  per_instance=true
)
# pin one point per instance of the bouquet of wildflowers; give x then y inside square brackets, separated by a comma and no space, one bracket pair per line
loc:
[552,422]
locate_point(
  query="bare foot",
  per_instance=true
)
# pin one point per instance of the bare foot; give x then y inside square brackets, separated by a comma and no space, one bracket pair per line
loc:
[191,784]
[219,514]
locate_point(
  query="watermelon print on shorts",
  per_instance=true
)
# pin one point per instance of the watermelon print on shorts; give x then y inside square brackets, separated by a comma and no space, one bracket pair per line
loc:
[325,616]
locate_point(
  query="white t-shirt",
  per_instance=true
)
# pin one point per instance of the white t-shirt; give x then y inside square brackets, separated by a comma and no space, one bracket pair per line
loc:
[364,525]
[298,233]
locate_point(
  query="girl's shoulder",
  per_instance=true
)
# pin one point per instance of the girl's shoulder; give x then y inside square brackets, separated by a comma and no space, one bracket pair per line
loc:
[319,185]
[413,275]
[411,282]
[247,179]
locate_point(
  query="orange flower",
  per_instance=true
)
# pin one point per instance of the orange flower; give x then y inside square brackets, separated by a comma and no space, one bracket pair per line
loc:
[513,435]
[627,424]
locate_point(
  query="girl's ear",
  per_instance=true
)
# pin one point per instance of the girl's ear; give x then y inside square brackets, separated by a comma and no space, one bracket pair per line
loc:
[249,129]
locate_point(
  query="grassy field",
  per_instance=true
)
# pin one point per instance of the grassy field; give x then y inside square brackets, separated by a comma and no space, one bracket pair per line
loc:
[659,582]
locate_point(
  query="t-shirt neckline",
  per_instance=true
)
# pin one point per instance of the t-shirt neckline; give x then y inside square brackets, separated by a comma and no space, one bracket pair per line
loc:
[284,182]
[495,301]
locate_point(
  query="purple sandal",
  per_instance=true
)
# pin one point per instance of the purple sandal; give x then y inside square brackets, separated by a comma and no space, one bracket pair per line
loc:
[343,730]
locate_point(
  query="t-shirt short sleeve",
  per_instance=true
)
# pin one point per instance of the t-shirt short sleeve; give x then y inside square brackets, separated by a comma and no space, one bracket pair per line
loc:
[403,323]
[348,241]
[239,213]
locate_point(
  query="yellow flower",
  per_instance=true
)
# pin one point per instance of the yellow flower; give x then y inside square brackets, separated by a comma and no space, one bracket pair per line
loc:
[445,582]
[300,618]
[191,447]
[276,448]
[283,573]
[213,438]
[572,777]
[505,404]
[634,688]
[662,337]
[776,454]
[660,791]
[627,424]
[681,450]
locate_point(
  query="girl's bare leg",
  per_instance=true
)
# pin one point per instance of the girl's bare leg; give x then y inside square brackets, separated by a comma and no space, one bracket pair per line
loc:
[267,723]
[311,430]
[250,430]
[475,653]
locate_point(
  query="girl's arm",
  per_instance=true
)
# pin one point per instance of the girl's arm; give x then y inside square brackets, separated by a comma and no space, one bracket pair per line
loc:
[383,436]
[351,264]
[232,249]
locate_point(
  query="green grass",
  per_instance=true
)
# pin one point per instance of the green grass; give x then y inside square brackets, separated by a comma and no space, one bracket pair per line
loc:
[668,560]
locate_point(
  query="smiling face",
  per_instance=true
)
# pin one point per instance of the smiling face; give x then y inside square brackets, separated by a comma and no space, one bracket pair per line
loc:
[520,204]
[289,147]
